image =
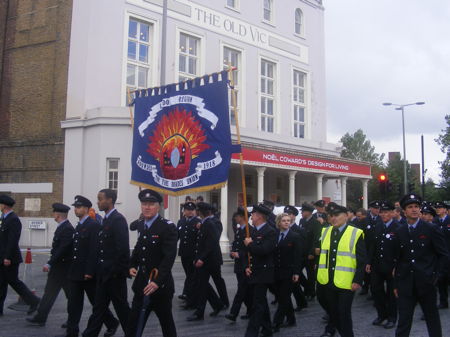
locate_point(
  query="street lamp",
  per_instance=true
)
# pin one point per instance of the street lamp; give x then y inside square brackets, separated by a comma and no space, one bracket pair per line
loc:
[401,107]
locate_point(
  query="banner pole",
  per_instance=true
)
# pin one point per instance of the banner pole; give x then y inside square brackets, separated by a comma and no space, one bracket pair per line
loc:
[241,157]
[130,99]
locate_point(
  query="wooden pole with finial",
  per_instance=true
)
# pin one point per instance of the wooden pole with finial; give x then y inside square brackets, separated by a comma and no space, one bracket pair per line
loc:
[241,157]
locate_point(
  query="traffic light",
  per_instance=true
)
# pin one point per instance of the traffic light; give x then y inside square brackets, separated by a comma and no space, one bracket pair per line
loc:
[383,184]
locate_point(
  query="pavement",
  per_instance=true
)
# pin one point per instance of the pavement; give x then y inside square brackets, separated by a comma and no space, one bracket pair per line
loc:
[309,320]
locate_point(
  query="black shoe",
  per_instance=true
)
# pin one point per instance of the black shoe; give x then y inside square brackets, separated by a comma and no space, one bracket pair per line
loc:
[230,317]
[33,307]
[186,307]
[389,325]
[443,306]
[216,311]
[64,325]
[300,308]
[378,321]
[326,318]
[266,333]
[289,324]
[111,331]
[182,297]
[327,334]
[276,327]
[194,317]
[36,322]
[246,316]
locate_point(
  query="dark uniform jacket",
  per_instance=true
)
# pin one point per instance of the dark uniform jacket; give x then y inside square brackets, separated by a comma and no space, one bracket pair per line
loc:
[113,248]
[261,254]
[10,229]
[238,247]
[421,256]
[313,230]
[156,247]
[84,259]
[445,227]
[288,257]
[187,234]
[208,242]
[381,254]
[61,252]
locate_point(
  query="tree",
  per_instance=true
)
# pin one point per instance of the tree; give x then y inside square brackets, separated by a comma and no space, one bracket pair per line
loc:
[444,142]
[357,147]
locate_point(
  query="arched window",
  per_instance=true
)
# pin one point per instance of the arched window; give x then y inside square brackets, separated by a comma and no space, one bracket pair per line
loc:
[298,21]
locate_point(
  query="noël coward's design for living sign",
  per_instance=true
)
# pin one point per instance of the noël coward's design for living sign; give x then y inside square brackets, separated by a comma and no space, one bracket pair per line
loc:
[182,138]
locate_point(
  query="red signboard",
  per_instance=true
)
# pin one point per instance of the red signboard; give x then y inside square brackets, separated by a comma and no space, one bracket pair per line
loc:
[282,159]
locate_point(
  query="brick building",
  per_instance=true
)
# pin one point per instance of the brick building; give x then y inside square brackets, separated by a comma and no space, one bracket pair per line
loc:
[34,49]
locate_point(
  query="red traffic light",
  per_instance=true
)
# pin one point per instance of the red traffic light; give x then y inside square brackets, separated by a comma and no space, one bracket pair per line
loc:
[382,177]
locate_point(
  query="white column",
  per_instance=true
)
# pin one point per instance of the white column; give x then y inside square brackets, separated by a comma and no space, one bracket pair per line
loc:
[365,193]
[319,178]
[292,187]
[224,242]
[260,171]
[344,191]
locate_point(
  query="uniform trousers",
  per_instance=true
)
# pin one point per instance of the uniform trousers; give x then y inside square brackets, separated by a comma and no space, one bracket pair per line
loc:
[56,280]
[285,308]
[311,277]
[219,282]
[75,305]
[382,287]
[443,290]
[425,295]
[298,292]
[243,294]
[321,298]
[112,290]
[260,314]
[338,305]
[189,270]
[9,275]
[205,292]
[161,303]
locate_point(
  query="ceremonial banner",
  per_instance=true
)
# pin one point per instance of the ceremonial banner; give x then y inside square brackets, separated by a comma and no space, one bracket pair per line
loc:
[181,138]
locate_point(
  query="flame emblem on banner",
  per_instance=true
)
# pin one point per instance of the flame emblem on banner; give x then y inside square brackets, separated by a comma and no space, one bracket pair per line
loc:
[177,139]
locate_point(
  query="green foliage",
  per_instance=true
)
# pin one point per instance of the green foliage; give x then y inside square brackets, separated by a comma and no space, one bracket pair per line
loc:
[357,147]
[444,142]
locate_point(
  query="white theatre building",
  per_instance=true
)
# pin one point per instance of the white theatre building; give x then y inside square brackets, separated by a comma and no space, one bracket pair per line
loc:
[278,49]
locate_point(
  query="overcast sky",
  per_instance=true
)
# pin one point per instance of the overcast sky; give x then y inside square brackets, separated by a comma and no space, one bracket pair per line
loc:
[389,51]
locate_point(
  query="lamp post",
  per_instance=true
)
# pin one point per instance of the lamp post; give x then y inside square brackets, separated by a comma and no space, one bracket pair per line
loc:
[402,108]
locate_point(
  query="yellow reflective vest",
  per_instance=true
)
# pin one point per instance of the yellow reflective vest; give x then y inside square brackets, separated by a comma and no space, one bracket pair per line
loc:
[345,267]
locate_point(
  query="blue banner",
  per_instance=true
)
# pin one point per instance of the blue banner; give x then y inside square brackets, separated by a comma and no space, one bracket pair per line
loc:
[181,138]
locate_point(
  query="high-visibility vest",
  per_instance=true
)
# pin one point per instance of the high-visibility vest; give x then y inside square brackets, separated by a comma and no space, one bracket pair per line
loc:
[345,267]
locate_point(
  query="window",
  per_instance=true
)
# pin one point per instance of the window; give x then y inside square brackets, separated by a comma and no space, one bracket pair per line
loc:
[298,21]
[268,70]
[267,11]
[138,59]
[188,58]
[299,81]
[233,57]
[112,167]
[233,3]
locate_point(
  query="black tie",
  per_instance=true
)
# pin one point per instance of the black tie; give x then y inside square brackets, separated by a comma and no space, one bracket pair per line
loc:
[281,237]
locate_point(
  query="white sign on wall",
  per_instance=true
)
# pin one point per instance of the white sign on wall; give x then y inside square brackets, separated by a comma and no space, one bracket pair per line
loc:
[37,224]
[33,204]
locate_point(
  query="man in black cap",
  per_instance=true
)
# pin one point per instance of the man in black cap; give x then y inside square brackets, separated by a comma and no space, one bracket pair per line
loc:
[156,248]
[380,264]
[428,213]
[187,234]
[113,258]
[244,291]
[82,270]
[208,261]
[58,265]
[261,245]
[313,230]
[10,256]
[320,214]
[297,291]
[421,259]
[340,271]
[271,218]
[442,219]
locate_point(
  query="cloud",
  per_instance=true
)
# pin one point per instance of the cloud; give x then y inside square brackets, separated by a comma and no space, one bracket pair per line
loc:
[388,51]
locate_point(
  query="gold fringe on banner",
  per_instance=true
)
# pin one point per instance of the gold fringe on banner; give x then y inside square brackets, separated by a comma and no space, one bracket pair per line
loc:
[178,193]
